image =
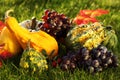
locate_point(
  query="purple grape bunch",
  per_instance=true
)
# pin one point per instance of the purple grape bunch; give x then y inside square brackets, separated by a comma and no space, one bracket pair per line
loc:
[95,60]
[55,24]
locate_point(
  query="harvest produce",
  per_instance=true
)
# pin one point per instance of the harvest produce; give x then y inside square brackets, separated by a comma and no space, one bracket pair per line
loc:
[39,40]
[82,41]
[8,44]
[54,23]
[33,61]
[95,60]
[88,16]
[2,25]
[31,25]
[87,46]
[90,36]
[93,13]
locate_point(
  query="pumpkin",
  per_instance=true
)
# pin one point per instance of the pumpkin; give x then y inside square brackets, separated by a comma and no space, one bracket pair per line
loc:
[39,40]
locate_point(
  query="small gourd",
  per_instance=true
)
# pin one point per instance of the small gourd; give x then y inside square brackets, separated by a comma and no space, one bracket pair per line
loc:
[33,61]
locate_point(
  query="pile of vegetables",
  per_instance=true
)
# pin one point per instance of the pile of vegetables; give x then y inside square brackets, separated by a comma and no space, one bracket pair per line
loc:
[86,41]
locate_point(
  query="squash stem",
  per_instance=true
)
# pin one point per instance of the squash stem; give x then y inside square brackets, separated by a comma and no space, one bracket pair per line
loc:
[7,13]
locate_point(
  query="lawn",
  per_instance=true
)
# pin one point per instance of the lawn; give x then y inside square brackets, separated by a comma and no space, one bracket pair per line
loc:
[26,9]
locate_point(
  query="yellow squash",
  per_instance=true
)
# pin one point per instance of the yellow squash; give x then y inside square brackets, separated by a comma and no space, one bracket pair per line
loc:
[38,40]
[9,43]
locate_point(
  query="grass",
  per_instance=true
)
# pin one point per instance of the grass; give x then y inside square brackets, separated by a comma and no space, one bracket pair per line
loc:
[24,9]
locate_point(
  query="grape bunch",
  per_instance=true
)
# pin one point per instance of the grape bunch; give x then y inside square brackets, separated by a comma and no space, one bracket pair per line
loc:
[68,62]
[95,60]
[55,24]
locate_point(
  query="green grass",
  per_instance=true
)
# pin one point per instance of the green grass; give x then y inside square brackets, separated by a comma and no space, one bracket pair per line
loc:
[26,9]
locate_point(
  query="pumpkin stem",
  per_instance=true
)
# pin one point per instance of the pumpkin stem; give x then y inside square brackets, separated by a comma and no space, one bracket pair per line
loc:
[7,13]
[33,23]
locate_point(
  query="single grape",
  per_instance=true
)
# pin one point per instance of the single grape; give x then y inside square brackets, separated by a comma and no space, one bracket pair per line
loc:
[91,69]
[109,54]
[73,58]
[64,67]
[108,60]
[98,69]
[88,62]
[103,49]
[102,56]
[99,60]
[72,65]
[85,51]
[66,61]
[47,11]
[95,63]
[105,65]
